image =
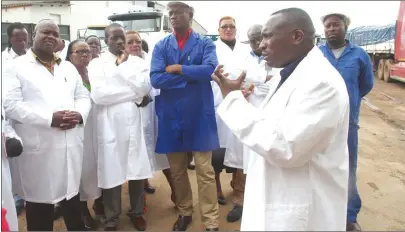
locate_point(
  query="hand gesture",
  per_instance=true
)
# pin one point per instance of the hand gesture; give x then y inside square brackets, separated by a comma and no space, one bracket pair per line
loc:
[247,92]
[123,57]
[225,84]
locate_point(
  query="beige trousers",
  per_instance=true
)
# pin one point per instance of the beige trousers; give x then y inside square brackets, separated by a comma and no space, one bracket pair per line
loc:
[207,191]
[239,181]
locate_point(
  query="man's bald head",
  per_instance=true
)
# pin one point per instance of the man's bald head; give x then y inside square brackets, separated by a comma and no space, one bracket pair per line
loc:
[255,37]
[287,35]
[45,37]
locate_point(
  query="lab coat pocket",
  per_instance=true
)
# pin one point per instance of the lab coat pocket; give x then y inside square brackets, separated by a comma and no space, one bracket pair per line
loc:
[29,136]
[287,217]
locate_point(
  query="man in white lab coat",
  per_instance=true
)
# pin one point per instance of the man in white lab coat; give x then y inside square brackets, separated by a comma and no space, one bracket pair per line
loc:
[17,46]
[48,105]
[118,86]
[298,173]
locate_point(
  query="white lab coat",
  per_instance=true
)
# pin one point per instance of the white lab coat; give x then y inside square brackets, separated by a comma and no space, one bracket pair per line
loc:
[122,152]
[237,155]
[7,200]
[158,162]
[233,64]
[49,169]
[89,189]
[298,172]
[6,56]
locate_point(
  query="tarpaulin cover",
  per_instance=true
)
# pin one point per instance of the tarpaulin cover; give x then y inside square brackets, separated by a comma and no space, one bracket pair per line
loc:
[367,35]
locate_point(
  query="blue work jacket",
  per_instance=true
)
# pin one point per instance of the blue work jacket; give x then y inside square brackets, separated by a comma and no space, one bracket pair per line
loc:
[185,106]
[354,65]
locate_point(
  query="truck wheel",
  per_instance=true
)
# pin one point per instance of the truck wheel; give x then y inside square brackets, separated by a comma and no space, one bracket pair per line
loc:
[380,70]
[387,68]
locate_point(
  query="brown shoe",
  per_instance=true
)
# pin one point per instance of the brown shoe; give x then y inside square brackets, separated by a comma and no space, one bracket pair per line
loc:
[182,223]
[353,226]
[139,223]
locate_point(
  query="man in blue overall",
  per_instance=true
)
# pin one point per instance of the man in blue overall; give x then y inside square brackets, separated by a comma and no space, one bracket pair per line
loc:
[181,67]
[354,64]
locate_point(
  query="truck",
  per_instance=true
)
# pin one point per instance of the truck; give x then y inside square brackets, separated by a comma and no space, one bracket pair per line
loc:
[150,22]
[97,30]
[385,45]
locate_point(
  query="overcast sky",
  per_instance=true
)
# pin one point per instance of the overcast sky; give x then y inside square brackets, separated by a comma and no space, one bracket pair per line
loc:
[247,13]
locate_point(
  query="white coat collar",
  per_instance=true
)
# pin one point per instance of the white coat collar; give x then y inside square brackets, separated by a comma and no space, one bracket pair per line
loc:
[311,59]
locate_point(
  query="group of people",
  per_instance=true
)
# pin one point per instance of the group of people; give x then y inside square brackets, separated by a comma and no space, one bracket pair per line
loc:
[281,115]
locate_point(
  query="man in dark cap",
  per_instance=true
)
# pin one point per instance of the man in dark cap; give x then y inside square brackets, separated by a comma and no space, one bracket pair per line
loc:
[181,67]
[298,168]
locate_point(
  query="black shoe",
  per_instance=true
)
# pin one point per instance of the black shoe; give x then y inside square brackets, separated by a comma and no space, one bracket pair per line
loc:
[89,222]
[212,229]
[191,166]
[182,223]
[150,190]
[235,214]
[221,200]
[353,226]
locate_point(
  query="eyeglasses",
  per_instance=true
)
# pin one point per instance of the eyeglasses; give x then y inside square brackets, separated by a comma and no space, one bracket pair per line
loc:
[134,41]
[82,52]
[224,27]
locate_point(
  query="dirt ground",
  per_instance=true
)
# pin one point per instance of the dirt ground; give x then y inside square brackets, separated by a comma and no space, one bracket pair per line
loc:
[381,172]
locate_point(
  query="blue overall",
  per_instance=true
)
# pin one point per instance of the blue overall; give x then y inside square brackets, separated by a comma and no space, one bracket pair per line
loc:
[356,69]
[185,106]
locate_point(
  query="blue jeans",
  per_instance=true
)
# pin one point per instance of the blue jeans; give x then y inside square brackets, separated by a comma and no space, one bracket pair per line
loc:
[354,201]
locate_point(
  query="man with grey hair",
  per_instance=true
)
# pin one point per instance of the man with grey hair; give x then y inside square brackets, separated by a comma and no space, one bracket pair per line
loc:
[298,173]
[354,64]
[48,106]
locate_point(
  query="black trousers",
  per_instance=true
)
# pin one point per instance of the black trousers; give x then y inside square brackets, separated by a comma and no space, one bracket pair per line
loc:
[40,216]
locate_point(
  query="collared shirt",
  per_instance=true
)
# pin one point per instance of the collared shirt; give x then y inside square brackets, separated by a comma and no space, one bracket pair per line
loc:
[181,41]
[48,65]
[355,66]
[288,70]
[258,58]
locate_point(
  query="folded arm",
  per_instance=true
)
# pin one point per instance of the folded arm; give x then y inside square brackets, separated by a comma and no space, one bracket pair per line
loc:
[160,79]
[136,74]
[104,93]
[16,108]
[289,141]
[202,72]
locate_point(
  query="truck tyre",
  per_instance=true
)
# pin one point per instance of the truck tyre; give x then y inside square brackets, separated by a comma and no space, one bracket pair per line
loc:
[387,69]
[380,70]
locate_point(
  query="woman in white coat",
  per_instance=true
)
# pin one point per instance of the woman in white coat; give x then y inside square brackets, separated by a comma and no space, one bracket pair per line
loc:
[231,54]
[78,53]
[134,46]
[118,86]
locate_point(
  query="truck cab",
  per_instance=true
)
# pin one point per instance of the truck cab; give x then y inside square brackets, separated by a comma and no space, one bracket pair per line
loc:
[97,30]
[151,24]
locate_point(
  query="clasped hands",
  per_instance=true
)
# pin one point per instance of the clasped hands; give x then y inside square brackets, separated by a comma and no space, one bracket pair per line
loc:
[227,85]
[66,120]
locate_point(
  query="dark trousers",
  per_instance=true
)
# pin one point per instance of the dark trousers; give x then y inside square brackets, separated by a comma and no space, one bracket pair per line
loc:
[40,216]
